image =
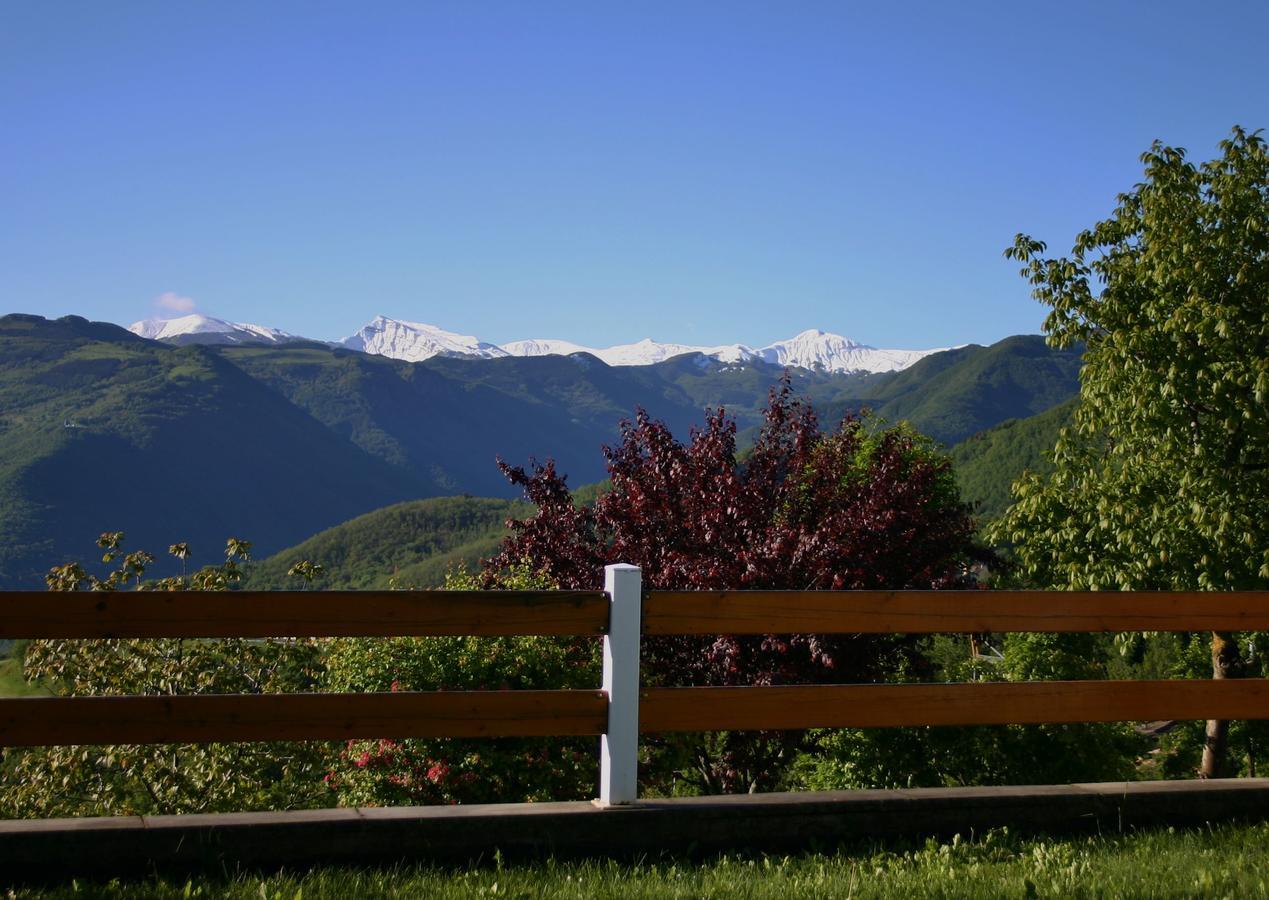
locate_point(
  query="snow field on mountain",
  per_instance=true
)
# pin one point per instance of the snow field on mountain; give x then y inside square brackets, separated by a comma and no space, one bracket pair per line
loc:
[417,341]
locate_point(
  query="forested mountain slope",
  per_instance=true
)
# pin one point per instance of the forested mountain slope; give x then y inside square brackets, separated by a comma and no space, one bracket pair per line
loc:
[103,430]
[990,461]
[955,394]
[448,419]
[415,543]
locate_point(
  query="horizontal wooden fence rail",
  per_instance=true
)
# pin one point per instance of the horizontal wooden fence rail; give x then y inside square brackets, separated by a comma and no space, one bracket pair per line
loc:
[254,614]
[258,614]
[978,703]
[38,721]
[204,718]
[950,612]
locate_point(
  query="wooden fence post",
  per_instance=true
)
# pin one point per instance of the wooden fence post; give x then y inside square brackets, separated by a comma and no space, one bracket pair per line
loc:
[619,745]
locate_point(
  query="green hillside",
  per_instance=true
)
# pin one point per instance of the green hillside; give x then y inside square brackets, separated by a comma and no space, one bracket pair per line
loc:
[990,461]
[950,395]
[416,543]
[742,388]
[100,430]
[961,392]
[448,419]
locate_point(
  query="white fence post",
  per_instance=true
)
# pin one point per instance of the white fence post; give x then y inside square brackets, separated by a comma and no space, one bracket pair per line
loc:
[619,745]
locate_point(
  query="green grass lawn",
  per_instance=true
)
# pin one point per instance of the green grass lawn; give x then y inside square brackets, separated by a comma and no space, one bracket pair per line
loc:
[1224,861]
[12,684]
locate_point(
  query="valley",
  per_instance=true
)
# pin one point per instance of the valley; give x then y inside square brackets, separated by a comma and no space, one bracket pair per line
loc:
[101,429]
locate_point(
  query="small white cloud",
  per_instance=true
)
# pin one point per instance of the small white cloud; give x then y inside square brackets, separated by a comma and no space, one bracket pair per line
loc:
[174,302]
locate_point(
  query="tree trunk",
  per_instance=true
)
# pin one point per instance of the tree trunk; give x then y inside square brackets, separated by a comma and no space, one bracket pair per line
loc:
[1216,748]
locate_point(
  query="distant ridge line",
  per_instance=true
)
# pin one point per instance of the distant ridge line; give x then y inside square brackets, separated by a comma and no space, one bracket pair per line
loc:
[417,341]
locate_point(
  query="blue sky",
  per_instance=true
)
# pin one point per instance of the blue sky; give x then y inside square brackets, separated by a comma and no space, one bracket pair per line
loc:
[601,172]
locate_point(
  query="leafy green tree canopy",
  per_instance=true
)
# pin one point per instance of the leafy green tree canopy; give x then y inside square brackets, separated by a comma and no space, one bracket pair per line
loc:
[1163,480]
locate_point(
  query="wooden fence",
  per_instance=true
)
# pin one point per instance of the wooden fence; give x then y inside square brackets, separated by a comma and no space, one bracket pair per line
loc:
[620,709]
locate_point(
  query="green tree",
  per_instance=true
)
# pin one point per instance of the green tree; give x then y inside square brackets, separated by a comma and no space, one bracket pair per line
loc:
[1162,481]
[137,779]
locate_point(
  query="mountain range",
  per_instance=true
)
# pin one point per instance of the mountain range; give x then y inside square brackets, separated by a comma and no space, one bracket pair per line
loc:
[199,329]
[102,429]
[416,341]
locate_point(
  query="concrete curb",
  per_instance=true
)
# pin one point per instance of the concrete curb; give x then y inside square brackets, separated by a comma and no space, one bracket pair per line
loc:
[60,848]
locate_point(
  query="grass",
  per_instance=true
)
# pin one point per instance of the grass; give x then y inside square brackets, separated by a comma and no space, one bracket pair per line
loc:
[12,684]
[1221,861]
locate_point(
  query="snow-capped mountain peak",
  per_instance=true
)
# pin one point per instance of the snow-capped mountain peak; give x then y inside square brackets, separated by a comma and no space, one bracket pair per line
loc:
[816,336]
[815,349]
[642,353]
[199,329]
[544,348]
[415,341]
[811,349]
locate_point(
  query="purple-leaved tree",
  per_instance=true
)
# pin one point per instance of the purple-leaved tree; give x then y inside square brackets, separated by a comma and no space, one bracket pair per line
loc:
[863,507]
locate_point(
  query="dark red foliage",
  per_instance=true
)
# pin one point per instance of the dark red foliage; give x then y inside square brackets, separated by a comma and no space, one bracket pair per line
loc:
[855,509]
